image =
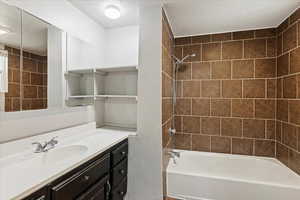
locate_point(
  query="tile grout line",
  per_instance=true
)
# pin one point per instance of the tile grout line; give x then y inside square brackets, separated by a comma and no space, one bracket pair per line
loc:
[220,41]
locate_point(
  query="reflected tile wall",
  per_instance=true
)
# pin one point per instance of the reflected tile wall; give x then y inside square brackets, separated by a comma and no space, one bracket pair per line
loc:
[34,81]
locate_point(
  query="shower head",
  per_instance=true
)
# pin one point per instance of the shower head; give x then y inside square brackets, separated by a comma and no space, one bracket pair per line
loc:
[178,61]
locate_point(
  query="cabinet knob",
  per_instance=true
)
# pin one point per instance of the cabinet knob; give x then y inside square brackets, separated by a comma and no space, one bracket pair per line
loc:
[40,198]
[86,178]
[122,171]
[123,153]
[121,193]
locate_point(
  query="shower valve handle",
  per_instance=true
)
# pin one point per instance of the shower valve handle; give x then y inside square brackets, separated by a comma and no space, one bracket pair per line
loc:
[172,131]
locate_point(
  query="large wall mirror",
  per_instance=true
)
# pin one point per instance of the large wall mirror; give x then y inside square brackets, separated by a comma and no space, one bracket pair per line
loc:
[23,60]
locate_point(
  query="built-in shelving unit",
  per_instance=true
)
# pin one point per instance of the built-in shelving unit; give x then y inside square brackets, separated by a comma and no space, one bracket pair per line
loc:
[80,87]
[112,90]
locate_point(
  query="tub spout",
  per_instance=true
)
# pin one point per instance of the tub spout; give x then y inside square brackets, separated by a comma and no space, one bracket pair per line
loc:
[174,155]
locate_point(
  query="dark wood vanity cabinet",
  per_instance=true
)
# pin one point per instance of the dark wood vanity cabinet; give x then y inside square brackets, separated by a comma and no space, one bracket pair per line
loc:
[81,181]
[41,194]
[118,178]
[102,178]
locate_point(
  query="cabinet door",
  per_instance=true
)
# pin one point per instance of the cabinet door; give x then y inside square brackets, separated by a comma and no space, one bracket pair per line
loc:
[119,154]
[118,173]
[74,186]
[120,192]
[96,192]
[80,54]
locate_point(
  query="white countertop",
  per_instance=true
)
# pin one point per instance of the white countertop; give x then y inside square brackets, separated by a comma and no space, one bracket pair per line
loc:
[22,171]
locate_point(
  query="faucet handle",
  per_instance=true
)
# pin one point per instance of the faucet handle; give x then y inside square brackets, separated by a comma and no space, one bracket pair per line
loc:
[39,147]
[53,141]
[37,143]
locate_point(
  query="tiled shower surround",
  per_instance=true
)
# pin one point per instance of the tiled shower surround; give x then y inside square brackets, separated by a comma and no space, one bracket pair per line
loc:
[240,94]
[167,64]
[288,92]
[34,82]
[167,77]
[226,98]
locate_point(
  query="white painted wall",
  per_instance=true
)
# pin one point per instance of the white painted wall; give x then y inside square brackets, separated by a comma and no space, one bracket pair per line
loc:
[2,101]
[145,160]
[121,47]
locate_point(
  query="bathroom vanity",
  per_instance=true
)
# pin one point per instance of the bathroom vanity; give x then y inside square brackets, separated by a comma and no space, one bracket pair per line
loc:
[101,178]
[86,164]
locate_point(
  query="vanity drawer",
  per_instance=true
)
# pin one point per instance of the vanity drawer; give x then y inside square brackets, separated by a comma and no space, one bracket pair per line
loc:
[96,192]
[72,187]
[42,194]
[120,192]
[119,172]
[119,154]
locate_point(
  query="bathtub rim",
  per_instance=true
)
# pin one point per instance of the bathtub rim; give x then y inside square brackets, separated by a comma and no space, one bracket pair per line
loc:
[235,179]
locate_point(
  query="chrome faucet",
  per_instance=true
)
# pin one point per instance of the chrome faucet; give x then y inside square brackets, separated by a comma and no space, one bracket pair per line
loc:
[45,147]
[174,155]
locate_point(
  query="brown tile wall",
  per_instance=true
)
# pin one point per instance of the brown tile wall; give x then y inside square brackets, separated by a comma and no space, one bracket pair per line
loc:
[167,77]
[288,92]
[33,86]
[240,94]
[227,96]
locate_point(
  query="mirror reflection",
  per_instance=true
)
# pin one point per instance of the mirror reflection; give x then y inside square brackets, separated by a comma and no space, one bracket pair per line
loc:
[23,60]
[10,45]
[34,75]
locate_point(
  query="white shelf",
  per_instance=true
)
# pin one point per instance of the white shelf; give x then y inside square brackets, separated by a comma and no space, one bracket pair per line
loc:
[81,71]
[103,96]
[103,69]
[80,96]
[117,69]
[115,129]
[117,96]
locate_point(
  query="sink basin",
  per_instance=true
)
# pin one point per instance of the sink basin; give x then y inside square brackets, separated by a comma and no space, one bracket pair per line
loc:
[63,153]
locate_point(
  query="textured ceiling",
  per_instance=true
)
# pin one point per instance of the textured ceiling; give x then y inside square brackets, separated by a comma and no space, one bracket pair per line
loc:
[95,10]
[196,17]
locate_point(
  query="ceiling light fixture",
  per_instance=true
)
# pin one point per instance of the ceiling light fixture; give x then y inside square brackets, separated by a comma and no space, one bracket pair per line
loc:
[112,12]
[4,30]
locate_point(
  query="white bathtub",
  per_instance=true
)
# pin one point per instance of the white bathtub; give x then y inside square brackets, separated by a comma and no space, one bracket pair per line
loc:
[214,176]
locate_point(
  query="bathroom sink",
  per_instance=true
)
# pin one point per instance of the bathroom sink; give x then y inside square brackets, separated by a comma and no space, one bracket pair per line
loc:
[63,153]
